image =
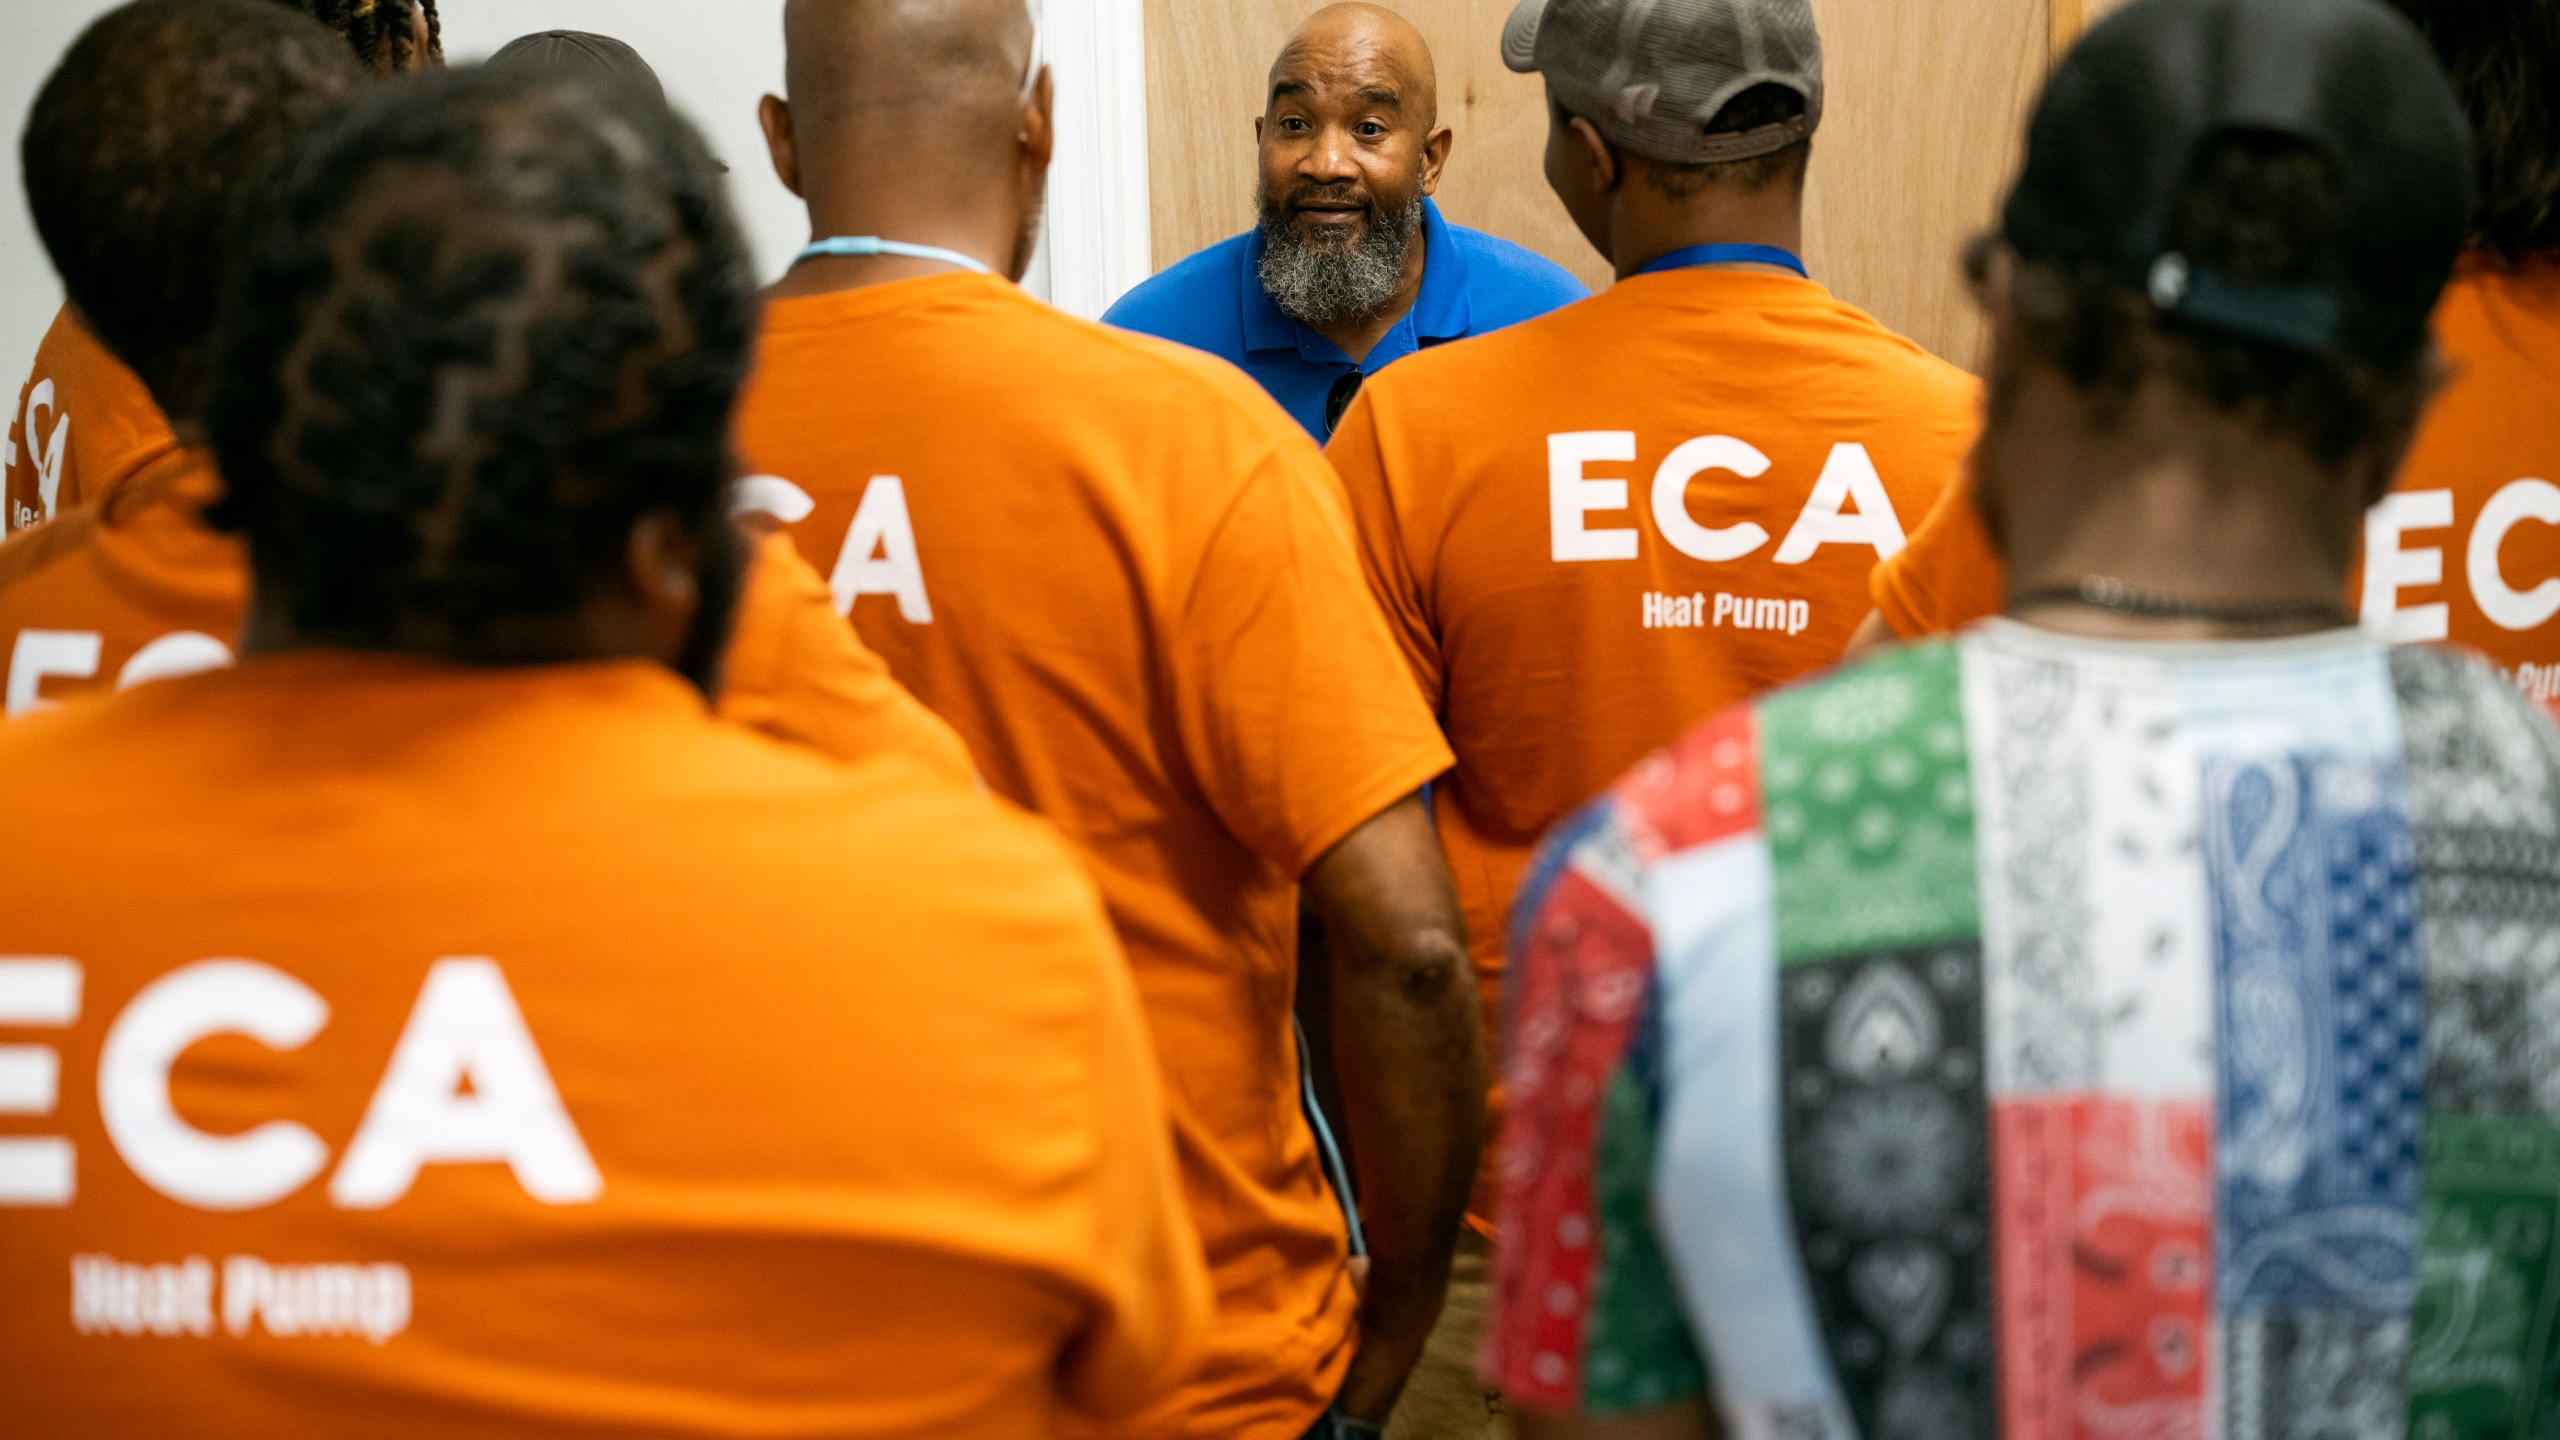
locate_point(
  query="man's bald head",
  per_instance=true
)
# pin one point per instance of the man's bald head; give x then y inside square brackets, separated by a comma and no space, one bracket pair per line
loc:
[924,121]
[955,66]
[1369,41]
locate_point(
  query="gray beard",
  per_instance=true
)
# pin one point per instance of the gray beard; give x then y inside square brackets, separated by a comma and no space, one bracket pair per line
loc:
[1323,284]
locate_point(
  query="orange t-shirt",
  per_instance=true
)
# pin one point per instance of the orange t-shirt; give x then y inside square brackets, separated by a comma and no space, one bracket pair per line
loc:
[1595,528]
[133,586]
[1124,574]
[2467,546]
[397,1048]
[83,423]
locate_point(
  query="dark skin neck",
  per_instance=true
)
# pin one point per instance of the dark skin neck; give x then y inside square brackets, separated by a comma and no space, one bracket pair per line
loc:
[1627,217]
[1646,225]
[2177,498]
[924,185]
[982,226]
[644,609]
[1361,334]
[824,274]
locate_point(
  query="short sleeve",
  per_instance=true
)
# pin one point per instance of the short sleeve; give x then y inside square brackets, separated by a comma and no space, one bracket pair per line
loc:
[1386,562]
[1151,1295]
[1948,576]
[1298,716]
[1586,1317]
[796,670]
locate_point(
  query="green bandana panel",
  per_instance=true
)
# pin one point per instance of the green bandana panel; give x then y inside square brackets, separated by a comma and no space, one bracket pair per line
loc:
[2481,1334]
[1869,806]
[1638,1352]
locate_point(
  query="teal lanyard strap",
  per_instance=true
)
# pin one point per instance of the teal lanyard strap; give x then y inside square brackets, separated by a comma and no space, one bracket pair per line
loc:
[874,245]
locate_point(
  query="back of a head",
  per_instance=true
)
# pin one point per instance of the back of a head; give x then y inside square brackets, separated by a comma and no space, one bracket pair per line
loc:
[482,323]
[582,54]
[950,74]
[389,36]
[2262,197]
[137,147]
[2503,57]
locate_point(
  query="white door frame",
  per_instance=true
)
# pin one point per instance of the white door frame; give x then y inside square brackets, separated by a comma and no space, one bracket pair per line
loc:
[1098,239]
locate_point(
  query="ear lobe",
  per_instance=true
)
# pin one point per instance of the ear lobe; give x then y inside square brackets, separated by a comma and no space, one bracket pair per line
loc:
[773,113]
[1039,133]
[1435,156]
[1605,169]
[664,564]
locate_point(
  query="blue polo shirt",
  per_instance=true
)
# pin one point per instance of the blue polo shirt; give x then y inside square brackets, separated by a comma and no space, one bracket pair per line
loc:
[1213,301]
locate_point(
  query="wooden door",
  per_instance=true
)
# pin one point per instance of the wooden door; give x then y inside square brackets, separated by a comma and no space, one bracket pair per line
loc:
[1923,112]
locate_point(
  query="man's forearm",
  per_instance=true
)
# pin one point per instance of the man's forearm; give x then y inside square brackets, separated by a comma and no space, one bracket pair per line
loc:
[1408,1044]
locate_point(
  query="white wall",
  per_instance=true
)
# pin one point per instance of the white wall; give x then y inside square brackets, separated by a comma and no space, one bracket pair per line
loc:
[33,34]
[715,58]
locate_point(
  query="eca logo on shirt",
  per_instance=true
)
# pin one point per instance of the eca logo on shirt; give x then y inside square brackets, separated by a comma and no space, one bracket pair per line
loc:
[1574,497]
[40,655]
[2391,565]
[878,556]
[44,456]
[465,1084]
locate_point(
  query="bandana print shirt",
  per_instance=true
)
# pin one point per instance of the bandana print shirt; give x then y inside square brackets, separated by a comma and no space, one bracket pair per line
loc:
[2042,1037]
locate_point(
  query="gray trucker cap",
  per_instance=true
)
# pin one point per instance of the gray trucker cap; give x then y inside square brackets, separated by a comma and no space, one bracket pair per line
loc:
[1650,74]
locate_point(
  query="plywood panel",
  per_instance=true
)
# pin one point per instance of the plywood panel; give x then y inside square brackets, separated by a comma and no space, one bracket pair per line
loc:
[2070,17]
[1923,113]
[1920,134]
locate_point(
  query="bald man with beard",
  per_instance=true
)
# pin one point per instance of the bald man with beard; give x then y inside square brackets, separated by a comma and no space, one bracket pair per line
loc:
[1128,581]
[1350,265]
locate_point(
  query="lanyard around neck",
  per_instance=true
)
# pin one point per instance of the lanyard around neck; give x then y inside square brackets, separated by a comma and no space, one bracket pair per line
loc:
[1725,255]
[874,245]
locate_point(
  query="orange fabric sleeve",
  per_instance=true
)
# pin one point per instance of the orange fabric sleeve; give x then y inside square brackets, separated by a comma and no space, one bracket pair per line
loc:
[1385,563]
[1947,576]
[1300,719]
[1153,1300]
[796,670]
[83,423]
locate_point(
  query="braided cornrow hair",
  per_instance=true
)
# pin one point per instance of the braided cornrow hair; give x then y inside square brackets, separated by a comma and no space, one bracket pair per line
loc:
[480,325]
[383,33]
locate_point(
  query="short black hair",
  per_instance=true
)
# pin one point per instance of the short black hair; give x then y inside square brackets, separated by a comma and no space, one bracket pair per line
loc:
[2503,57]
[2257,208]
[381,32]
[482,323]
[1759,105]
[135,153]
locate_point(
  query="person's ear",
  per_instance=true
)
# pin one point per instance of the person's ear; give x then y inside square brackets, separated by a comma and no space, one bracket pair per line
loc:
[1602,158]
[1991,273]
[662,560]
[774,114]
[1036,140]
[1435,154]
[1039,134]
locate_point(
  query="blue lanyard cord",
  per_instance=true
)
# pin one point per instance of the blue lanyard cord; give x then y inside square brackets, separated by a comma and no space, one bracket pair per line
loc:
[1326,1145]
[1726,255]
[874,245]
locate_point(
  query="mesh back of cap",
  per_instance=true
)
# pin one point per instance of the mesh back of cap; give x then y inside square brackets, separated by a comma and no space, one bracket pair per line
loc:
[1650,74]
